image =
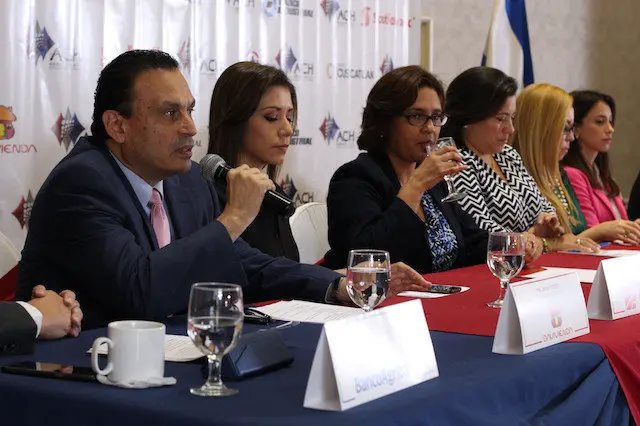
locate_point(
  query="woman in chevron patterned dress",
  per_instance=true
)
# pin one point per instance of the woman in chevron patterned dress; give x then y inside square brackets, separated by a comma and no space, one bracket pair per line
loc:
[544,130]
[502,196]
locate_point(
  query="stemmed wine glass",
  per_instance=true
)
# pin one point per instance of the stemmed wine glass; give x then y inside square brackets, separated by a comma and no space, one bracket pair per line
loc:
[452,195]
[215,322]
[505,258]
[368,274]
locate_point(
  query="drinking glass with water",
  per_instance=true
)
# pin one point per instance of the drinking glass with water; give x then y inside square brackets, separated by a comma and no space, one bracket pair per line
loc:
[215,323]
[368,273]
[505,258]
[452,194]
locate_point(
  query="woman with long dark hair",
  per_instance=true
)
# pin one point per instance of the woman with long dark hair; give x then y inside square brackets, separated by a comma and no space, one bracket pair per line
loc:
[253,114]
[587,162]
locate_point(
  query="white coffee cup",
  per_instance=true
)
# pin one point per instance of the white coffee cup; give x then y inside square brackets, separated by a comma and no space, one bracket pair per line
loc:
[136,351]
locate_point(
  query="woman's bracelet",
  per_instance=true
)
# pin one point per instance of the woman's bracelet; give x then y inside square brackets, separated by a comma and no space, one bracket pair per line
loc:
[545,245]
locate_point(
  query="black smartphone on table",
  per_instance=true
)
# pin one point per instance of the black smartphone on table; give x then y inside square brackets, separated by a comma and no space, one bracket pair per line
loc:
[444,289]
[51,370]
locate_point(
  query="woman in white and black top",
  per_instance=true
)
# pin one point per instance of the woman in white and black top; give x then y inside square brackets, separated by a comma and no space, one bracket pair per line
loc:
[501,195]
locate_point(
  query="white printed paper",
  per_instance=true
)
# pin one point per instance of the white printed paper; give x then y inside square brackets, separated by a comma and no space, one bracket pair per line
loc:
[607,253]
[176,349]
[296,310]
[584,275]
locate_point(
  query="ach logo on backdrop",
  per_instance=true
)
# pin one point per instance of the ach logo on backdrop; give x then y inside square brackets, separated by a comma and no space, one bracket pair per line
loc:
[387,64]
[292,192]
[23,211]
[67,129]
[331,132]
[41,44]
[332,8]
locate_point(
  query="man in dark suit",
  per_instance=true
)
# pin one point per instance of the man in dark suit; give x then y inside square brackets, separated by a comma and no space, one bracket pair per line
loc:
[47,315]
[129,224]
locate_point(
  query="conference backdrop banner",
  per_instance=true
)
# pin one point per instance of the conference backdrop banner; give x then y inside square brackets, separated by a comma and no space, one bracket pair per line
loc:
[333,51]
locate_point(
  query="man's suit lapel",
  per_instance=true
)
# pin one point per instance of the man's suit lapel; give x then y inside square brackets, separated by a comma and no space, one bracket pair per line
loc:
[180,208]
[146,222]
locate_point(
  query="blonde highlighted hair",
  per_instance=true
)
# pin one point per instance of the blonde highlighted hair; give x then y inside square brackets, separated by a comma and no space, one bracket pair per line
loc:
[540,120]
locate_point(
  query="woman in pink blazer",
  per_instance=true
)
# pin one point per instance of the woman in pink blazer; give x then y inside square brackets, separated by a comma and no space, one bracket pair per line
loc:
[587,164]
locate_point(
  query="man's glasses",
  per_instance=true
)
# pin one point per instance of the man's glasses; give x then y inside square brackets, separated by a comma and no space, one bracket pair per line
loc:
[415,119]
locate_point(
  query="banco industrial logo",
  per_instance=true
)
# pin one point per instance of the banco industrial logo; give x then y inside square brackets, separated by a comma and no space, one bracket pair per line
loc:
[287,7]
[44,49]
[343,72]
[287,61]
[296,139]
[331,132]
[298,197]
[23,211]
[333,10]
[68,129]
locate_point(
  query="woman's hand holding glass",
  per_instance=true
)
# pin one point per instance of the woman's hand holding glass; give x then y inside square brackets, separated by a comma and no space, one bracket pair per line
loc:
[438,164]
[452,194]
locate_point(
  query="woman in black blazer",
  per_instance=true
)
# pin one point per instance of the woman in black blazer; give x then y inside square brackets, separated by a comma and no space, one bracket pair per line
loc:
[389,198]
[251,120]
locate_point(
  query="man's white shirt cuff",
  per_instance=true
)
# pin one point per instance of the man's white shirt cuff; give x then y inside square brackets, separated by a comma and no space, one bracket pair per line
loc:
[35,314]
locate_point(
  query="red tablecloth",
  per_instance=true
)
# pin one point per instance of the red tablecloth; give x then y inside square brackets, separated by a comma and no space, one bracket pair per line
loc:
[468,313]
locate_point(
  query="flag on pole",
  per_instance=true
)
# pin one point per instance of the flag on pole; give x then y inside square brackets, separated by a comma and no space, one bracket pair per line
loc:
[507,46]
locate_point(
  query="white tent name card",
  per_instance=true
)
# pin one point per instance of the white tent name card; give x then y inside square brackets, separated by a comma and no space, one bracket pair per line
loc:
[365,357]
[615,292]
[540,313]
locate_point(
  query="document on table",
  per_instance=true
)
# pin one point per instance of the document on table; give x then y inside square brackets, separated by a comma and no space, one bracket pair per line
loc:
[608,253]
[429,295]
[176,349]
[296,310]
[584,275]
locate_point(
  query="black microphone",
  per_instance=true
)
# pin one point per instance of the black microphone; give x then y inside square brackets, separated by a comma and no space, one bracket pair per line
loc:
[213,167]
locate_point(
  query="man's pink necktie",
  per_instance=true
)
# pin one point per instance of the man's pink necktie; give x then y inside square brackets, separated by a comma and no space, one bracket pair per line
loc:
[159,219]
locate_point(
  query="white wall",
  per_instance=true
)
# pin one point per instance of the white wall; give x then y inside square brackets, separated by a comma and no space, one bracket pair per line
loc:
[575,44]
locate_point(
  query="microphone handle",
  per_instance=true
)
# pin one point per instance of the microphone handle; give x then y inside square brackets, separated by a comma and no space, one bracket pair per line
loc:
[279,202]
[272,200]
